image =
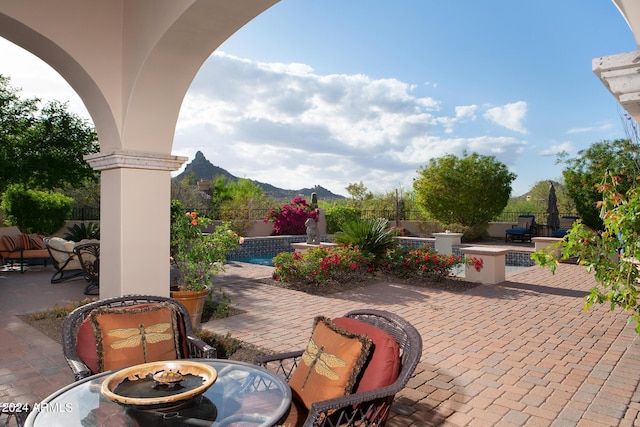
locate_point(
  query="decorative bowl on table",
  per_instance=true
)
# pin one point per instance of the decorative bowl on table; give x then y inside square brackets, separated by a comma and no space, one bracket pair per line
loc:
[159,385]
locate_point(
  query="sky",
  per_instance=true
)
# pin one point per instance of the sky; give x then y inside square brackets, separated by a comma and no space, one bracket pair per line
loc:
[336,92]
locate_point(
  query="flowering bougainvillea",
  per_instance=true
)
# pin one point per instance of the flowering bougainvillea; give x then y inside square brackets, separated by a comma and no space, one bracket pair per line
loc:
[291,217]
[342,264]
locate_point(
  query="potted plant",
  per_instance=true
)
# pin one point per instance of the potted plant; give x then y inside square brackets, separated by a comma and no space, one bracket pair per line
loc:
[197,256]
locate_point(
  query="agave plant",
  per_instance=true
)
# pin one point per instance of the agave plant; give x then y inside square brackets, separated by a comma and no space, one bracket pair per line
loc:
[371,236]
[83,231]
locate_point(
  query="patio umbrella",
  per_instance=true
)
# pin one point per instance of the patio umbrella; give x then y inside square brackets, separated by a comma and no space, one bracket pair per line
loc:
[553,216]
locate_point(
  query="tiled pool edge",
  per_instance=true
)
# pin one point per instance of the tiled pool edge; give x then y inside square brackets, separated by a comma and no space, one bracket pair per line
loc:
[269,245]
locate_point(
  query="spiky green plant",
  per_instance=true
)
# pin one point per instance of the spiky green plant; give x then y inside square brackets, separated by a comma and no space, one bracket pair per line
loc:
[371,236]
[82,231]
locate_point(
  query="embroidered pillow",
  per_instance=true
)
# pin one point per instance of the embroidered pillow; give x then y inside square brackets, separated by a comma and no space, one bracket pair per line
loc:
[524,223]
[127,337]
[331,363]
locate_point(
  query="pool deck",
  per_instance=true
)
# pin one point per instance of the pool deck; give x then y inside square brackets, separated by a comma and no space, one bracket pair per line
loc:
[519,353]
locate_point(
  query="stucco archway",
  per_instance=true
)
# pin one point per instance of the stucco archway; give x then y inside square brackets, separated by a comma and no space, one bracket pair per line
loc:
[131,62]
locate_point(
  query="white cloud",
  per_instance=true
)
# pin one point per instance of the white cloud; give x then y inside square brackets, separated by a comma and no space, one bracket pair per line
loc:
[601,127]
[554,150]
[288,126]
[509,116]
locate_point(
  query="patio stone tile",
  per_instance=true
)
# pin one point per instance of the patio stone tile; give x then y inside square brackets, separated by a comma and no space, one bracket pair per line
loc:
[522,352]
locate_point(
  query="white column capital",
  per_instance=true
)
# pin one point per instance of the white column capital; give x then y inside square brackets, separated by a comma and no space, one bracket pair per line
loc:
[134,160]
[621,75]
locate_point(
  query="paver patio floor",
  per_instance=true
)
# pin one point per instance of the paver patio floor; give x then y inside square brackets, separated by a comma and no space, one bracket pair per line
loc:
[522,352]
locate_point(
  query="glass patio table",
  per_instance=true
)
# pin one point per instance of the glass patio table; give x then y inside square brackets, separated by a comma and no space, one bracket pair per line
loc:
[242,395]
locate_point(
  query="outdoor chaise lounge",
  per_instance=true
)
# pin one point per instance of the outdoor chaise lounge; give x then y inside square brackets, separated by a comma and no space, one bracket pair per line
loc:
[18,248]
[523,231]
[566,222]
[336,346]
[89,324]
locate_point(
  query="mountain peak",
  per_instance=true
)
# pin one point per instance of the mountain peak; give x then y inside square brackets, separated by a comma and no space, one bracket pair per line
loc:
[201,168]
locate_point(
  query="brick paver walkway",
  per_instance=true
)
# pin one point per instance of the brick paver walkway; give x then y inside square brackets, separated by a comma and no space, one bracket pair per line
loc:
[519,353]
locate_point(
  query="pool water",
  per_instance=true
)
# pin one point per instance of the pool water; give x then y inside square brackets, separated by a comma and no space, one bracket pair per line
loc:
[267,260]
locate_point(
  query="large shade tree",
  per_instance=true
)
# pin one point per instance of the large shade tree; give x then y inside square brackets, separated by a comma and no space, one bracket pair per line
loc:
[469,190]
[584,173]
[42,148]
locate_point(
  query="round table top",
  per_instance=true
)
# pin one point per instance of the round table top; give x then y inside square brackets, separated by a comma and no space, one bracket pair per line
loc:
[243,395]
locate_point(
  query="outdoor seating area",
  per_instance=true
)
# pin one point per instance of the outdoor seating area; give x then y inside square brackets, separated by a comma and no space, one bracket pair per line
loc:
[487,365]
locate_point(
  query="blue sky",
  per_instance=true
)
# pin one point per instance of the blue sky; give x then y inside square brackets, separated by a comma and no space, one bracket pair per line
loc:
[334,92]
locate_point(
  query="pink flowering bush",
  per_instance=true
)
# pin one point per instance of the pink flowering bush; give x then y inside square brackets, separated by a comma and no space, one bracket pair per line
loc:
[291,217]
[343,264]
[425,262]
[317,265]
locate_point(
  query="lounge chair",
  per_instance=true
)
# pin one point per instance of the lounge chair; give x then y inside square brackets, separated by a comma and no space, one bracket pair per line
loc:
[369,402]
[566,222]
[64,259]
[522,231]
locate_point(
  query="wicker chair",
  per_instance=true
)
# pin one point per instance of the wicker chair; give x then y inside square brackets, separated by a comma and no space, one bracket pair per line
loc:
[66,264]
[195,346]
[89,258]
[370,408]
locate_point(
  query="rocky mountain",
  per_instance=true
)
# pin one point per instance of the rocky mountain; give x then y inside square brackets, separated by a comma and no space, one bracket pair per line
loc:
[201,168]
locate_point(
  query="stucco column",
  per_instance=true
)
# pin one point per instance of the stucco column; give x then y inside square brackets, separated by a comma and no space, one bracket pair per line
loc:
[134,221]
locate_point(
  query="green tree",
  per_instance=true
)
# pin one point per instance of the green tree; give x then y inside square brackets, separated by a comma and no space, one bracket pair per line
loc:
[240,202]
[34,211]
[611,253]
[359,194]
[42,149]
[536,199]
[584,173]
[470,190]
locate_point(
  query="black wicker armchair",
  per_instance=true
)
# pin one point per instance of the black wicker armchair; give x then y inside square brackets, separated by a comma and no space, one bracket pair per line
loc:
[196,348]
[89,258]
[369,408]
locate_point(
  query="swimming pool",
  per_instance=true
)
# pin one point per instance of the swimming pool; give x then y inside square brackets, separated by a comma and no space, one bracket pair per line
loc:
[258,259]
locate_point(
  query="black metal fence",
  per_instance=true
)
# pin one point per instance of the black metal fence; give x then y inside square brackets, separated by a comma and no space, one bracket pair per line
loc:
[85,214]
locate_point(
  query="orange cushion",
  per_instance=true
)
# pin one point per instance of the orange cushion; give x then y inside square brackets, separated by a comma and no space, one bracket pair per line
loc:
[330,364]
[383,366]
[130,336]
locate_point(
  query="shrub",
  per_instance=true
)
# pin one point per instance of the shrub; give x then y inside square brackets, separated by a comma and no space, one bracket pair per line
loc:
[218,309]
[424,262]
[470,233]
[371,236]
[225,345]
[78,232]
[33,211]
[291,218]
[320,264]
[339,215]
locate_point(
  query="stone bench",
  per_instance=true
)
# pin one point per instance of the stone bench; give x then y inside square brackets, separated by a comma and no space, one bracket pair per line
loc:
[493,259]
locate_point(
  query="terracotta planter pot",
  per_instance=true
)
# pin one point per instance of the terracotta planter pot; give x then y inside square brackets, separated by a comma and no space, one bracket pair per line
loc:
[193,301]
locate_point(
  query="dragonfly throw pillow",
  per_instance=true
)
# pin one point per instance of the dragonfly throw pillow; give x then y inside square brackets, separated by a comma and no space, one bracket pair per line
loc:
[330,364]
[131,336]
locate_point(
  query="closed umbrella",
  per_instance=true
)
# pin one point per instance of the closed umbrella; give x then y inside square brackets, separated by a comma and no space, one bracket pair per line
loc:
[553,216]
